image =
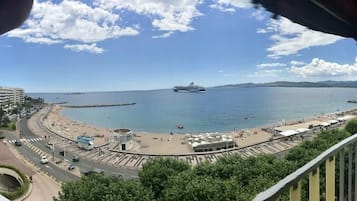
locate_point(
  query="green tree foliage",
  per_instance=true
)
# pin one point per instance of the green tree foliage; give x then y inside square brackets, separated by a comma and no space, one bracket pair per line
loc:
[243,178]
[2,113]
[15,111]
[351,126]
[155,174]
[13,126]
[103,188]
[308,150]
[186,187]
[5,121]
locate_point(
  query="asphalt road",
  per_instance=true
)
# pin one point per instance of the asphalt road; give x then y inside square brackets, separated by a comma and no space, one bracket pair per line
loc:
[54,170]
[50,168]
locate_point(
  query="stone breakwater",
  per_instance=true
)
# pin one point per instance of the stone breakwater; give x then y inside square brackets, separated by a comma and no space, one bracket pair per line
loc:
[100,105]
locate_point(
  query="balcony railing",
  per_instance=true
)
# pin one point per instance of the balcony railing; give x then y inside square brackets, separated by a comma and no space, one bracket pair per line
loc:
[312,169]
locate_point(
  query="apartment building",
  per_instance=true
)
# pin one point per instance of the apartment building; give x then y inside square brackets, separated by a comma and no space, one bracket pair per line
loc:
[11,96]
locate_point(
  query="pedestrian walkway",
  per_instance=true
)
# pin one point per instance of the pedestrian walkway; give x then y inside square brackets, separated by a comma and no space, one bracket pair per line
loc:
[43,188]
[25,140]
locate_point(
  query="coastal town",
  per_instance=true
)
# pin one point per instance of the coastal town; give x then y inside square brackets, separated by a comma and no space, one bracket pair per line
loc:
[61,141]
[152,100]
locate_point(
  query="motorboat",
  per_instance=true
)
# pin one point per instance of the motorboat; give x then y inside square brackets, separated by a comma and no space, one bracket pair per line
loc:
[180,126]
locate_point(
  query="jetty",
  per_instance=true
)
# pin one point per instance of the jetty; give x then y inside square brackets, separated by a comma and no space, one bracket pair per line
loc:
[98,105]
[60,103]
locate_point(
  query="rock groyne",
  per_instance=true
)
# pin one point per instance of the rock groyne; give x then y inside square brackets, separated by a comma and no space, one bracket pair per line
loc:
[98,105]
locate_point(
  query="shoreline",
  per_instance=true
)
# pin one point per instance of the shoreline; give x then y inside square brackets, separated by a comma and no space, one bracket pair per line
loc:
[158,143]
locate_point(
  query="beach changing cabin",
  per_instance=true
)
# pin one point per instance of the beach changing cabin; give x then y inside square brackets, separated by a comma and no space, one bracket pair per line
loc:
[85,142]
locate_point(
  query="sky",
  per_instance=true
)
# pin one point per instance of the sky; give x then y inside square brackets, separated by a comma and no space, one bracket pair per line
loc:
[119,45]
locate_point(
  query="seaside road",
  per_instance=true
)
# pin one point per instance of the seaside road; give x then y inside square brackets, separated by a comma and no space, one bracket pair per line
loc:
[35,157]
[84,164]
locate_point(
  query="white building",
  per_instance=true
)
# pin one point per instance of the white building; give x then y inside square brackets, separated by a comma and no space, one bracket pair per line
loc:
[124,137]
[10,96]
[209,142]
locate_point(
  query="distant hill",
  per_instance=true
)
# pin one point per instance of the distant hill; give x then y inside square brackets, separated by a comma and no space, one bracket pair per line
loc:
[327,83]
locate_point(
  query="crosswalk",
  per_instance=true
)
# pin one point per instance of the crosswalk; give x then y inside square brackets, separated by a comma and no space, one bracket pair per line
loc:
[26,140]
[36,149]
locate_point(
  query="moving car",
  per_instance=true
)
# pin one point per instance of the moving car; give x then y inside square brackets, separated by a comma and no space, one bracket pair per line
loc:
[18,143]
[75,159]
[44,160]
[49,145]
[71,167]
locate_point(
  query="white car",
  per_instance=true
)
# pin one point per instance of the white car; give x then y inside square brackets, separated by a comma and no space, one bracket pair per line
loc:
[44,160]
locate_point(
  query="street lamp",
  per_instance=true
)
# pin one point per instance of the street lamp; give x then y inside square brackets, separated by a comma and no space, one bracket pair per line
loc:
[64,150]
[53,152]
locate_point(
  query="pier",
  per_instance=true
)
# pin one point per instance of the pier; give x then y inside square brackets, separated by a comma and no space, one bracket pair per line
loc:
[98,105]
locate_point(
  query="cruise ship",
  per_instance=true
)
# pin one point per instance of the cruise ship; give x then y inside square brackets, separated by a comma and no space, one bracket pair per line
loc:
[190,88]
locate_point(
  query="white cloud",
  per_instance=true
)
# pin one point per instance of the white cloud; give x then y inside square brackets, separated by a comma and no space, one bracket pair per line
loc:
[92,48]
[321,68]
[289,38]
[261,31]
[222,8]
[164,35]
[230,5]
[258,14]
[69,20]
[234,3]
[220,71]
[271,65]
[297,63]
[166,15]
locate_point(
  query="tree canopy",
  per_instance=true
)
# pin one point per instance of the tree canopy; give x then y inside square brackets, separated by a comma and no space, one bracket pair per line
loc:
[351,126]
[96,187]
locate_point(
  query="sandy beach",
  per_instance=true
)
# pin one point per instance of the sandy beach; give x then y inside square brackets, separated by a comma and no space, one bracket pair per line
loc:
[162,143]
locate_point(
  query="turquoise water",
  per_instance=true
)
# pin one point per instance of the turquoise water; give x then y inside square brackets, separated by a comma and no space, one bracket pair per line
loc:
[217,109]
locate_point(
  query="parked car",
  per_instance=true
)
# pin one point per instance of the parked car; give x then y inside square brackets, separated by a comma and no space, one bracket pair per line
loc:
[44,160]
[75,159]
[18,143]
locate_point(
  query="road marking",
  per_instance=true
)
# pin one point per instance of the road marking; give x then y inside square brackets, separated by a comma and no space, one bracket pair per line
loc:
[48,167]
[25,140]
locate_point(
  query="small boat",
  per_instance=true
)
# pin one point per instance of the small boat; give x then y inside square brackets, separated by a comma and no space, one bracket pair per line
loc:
[190,88]
[179,126]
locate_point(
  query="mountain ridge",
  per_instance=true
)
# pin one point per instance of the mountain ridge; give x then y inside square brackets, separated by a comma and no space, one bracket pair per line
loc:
[327,83]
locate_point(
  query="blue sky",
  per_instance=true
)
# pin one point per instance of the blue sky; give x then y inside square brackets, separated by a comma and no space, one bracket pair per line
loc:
[114,45]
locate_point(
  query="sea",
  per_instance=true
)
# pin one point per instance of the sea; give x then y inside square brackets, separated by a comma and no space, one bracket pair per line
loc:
[216,110]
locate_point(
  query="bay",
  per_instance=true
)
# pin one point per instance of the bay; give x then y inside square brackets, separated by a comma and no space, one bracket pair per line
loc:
[216,110]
